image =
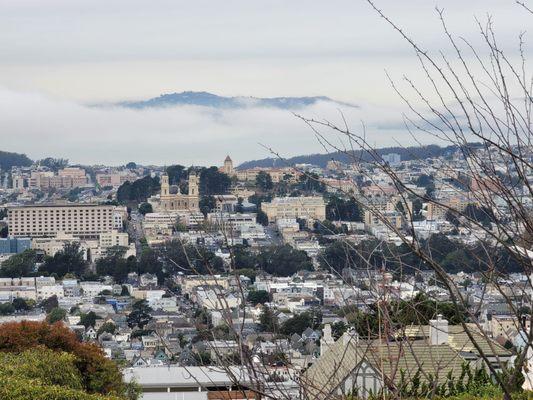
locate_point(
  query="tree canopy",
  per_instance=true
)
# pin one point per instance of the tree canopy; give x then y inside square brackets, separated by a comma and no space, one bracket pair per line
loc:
[212,181]
[138,191]
[258,297]
[145,208]
[95,373]
[19,265]
[263,181]
[70,260]
[8,160]
[339,209]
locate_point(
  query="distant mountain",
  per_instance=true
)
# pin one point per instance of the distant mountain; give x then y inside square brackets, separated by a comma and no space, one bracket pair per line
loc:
[212,100]
[406,153]
[8,160]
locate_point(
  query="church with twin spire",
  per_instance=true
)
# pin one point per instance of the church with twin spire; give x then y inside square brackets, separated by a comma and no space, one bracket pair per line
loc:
[167,201]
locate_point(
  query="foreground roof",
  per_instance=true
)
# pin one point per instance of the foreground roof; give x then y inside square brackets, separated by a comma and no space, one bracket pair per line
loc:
[388,359]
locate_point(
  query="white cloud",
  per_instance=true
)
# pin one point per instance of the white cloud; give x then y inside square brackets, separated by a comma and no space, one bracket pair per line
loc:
[41,126]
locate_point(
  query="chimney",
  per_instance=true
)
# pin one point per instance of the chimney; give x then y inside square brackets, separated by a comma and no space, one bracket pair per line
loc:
[327,339]
[438,330]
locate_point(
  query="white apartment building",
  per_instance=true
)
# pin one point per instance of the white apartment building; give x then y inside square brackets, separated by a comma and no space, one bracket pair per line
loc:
[310,208]
[113,238]
[80,220]
[44,292]
[93,289]
[231,220]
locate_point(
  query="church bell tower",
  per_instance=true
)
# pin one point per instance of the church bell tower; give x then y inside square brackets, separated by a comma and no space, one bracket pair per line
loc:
[193,184]
[165,187]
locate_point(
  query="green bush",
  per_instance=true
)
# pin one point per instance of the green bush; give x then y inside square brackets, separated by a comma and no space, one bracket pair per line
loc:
[42,374]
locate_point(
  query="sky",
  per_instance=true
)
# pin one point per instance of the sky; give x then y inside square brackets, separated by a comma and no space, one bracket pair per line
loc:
[60,57]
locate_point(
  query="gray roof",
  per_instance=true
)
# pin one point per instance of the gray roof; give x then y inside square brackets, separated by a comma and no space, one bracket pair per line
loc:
[178,376]
[387,359]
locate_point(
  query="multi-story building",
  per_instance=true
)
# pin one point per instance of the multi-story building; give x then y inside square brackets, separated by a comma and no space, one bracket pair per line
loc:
[276,174]
[14,245]
[309,208]
[113,239]
[115,179]
[18,182]
[457,203]
[383,219]
[66,178]
[79,220]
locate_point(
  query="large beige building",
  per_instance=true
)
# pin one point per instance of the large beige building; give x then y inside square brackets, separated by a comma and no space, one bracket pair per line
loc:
[167,201]
[277,174]
[310,208]
[66,178]
[115,179]
[456,203]
[80,220]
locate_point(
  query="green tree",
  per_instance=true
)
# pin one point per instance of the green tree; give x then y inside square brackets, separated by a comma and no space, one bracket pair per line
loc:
[8,160]
[19,265]
[6,309]
[243,258]
[339,209]
[207,204]
[21,304]
[284,260]
[108,327]
[424,180]
[139,315]
[263,181]
[55,315]
[96,373]
[261,218]
[55,164]
[145,208]
[188,259]
[417,210]
[257,199]
[258,297]
[338,329]
[268,321]
[310,182]
[138,191]
[176,173]
[212,181]
[88,319]
[482,215]
[49,303]
[114,264]
[300,323]
[69,260]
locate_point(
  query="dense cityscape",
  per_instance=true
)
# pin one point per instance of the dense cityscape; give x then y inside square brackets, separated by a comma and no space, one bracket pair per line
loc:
[281,200]
[211,270]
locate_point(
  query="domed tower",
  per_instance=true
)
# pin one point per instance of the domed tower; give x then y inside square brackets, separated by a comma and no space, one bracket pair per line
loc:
[228,166]
[165,186]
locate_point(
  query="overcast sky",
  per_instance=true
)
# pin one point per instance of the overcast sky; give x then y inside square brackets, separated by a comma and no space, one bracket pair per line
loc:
[58,56]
